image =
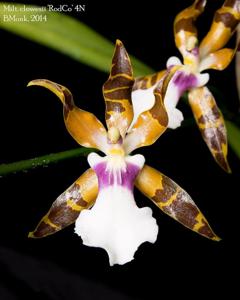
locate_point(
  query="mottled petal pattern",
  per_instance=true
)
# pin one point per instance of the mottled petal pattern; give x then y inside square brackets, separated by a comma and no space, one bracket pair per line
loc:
[143,94]
[211,124]
[185,31]
[223,26]
[83,126]
[146,82]
[117,91]
[173,201]
[180,82]
[150,124]
[67,207]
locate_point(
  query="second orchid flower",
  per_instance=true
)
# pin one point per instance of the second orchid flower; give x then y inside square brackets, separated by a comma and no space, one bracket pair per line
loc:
[209,54]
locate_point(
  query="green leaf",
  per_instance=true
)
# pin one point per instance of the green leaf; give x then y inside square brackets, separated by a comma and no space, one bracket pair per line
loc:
[66,35]
[42,161]
[233,137]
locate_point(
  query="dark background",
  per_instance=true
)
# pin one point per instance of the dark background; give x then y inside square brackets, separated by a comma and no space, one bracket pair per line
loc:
[181,263]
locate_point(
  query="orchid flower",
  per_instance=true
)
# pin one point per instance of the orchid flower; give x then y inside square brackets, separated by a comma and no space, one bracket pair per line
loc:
[101,201]
[188,76]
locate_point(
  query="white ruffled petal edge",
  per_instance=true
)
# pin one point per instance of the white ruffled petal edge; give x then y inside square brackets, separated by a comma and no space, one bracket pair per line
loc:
[117,225]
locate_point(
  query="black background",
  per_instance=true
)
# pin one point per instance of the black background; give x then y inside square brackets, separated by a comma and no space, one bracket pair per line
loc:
[181,263]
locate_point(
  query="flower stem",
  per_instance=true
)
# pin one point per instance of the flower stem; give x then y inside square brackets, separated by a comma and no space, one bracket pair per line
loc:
[41,161]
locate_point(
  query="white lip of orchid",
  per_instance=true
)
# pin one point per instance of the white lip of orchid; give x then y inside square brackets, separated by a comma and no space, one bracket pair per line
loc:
[115,223]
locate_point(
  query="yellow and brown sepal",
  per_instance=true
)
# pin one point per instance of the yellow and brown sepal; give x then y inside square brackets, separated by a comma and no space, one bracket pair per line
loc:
[66,208]
[117,91]
[83,126]
[210,123]
[223,26]
[173,201]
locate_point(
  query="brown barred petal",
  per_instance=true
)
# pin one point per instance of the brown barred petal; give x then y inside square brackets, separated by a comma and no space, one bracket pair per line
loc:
[149,125]
[66,208]
[185,31]
[211,124]
[117,91]
[223,26]
[173,201]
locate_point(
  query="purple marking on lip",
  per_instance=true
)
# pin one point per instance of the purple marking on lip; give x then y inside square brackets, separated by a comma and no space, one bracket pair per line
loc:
[123,178]
[184,81]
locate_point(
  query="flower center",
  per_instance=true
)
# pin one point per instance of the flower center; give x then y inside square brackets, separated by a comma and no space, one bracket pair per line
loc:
[114,135]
